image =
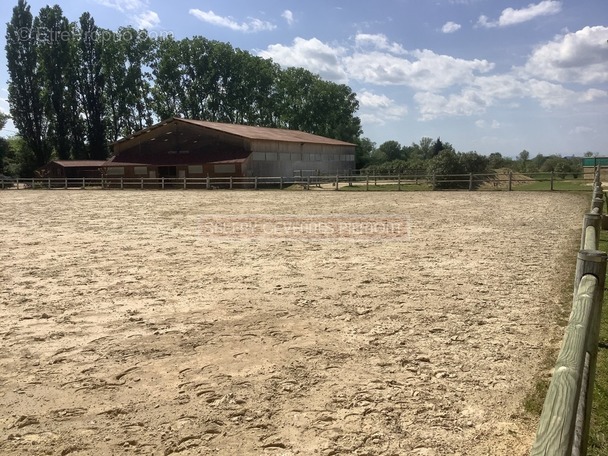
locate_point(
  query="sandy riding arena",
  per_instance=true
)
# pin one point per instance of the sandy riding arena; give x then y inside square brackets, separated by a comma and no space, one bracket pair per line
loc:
[276,323]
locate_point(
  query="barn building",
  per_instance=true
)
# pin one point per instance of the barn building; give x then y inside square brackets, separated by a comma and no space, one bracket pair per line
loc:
[194,148]
[72,169]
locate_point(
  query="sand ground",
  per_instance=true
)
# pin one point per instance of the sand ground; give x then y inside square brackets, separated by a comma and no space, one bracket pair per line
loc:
[128,327]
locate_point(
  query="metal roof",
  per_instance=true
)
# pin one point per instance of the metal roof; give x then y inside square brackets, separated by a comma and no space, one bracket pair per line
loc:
[79,163]
[248,132]
[594,161]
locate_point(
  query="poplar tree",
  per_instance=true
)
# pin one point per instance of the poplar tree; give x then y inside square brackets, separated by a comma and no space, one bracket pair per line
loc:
[25,82]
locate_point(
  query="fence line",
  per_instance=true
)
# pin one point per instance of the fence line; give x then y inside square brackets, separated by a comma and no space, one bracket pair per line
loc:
[564,423]
[468,181]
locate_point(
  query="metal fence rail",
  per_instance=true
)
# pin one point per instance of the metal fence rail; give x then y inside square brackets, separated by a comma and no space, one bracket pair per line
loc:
[565,418]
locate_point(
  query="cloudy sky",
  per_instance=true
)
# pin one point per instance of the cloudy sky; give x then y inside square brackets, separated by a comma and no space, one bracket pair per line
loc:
[484,75]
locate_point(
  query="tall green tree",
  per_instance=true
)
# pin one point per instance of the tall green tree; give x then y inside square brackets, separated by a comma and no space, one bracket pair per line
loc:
[112,64]
[125,65]
[3,119]
[306,102]
[25,82]
[363,152]
[138,51]
[57,68]
[522,159]
[436,148]
[90,85]
[392,150]
[168,69]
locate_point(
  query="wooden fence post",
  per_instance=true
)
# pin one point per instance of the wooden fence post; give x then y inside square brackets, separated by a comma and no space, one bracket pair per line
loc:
[84,183]
[337,182]
[17,182]
[185,185]
[230,182]
[208,183]
[142,183]
[399,182]
[592,262]
[510,180]
[162,183]
[122,184]
[255,183]
[598,191]
[367,183]
[552,179]
[591,220]
[281,183]
[597,203]
[65,183]
[470,182]
[49,183]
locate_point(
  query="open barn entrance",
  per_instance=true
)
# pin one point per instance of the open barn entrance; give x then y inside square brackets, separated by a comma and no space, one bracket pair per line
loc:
[167,171]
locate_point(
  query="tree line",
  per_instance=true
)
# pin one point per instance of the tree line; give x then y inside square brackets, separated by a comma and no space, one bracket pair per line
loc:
[437,157]
[74,88]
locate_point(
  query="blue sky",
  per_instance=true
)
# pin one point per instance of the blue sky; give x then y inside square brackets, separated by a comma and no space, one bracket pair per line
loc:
[484,75]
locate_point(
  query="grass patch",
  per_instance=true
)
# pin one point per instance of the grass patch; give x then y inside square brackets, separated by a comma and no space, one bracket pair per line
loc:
[535,399]
[598,436]
[568,185]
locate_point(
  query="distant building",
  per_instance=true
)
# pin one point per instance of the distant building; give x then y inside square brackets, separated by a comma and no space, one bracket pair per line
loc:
[194,148]
[590,163]
[180,148]
[72,169]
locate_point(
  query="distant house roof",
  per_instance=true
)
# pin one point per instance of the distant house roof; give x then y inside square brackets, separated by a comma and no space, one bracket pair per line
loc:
[79,163]
[248,132]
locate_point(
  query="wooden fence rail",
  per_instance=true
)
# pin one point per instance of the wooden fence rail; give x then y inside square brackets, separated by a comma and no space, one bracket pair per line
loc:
[565,418]
[468,181]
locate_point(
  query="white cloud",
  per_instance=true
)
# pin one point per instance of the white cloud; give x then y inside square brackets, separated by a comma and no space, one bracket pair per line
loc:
[495,124]
[253,24]
[491,90]
[378,42]
[136,10]
[450,27]
[313,54]
[466,103]
[425,71]
[581,130]
[147,20]
[124,5]
[511,16]
[288,16]
[580,57]
[445,85]
[378,109]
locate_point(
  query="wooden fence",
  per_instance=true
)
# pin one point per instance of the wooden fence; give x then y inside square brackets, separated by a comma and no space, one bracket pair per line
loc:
[398,181]
[564,421]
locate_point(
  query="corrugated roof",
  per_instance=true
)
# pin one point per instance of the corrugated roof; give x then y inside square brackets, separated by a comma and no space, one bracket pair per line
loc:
[79,163]
[248,132]
[264,133]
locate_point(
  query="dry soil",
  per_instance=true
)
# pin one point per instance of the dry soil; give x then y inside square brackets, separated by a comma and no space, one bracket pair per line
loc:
[204,322]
